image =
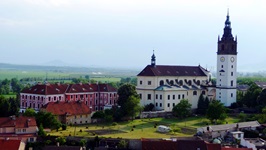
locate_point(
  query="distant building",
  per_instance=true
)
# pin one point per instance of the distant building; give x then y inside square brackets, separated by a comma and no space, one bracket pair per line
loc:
[165,85]
[95,96]
[18,128]
[74,112]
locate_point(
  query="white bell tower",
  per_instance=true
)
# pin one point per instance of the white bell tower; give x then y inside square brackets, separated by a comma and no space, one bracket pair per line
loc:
[226,66]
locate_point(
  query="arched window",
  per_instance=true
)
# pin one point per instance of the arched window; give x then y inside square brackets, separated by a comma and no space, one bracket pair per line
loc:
[194,92]
[181,82]
[171,82]
[161,82]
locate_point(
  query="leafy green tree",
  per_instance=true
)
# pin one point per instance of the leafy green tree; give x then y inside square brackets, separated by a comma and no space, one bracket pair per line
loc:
[61,140]
[251,96]
[98,115]
[182,109]
[203,104]
[4,107]
[82,142]
[122,144]
[215,111]
[128,100]
[149,107]
[41,131]
[48,120]
[132,106]
[29,112]
[14,106]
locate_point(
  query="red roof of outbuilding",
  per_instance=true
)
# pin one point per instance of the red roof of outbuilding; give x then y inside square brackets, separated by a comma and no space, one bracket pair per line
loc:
[72,108]
[9,144]
[163,70]
[18,122]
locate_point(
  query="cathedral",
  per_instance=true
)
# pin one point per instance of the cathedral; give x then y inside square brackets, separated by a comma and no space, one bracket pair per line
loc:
[165,85]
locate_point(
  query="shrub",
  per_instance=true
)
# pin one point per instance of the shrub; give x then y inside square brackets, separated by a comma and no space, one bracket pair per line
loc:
[114,123]
[64,126]
[176,129]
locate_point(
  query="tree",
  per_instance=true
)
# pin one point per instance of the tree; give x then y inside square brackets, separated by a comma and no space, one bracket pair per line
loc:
[149,107]
[128,100]
[215,111]
[202,105]
[48,120]
[29,112]
[41,131]
[4,107]
[132,106]
[250,98]
[122,144]
[61,140]
[98,115]
[182,109]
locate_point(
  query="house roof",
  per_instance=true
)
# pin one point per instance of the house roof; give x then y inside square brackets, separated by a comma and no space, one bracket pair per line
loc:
[224,127]
[51,89]
[179,144]
[261,84]
[243,87]
[17,122]
[9,144]
[46,89]
[70,108]
[165,70]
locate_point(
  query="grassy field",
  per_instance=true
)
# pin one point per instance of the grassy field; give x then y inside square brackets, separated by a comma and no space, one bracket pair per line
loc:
[144,128]
[9,96]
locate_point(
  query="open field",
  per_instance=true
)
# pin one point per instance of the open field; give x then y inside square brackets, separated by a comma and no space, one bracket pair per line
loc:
[9,96]
[53,76]
[144,128]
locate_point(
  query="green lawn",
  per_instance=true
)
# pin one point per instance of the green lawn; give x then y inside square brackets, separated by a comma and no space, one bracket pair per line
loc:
[144,128]
[9,96]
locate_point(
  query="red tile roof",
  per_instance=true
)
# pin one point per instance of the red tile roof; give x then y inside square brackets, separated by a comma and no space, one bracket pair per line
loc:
[9,144]
[46,89]
[17,122]
[232,148]
[162,70]
[72,108]
[173,145]
[49,89]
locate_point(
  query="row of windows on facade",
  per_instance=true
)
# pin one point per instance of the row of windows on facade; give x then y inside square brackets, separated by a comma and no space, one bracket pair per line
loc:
[232,95]
[21,130]
[222,66]
[24,104]
[169,96]
[171,82]
[232,74]
[160,104]
[59,97]
[232,83]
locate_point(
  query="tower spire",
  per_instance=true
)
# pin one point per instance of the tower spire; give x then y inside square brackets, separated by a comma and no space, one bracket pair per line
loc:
[153,59]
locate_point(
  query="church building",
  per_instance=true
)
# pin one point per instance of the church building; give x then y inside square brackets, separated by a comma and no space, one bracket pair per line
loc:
[165,85]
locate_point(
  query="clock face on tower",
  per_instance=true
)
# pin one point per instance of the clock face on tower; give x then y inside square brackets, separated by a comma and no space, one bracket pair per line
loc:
[232,59]
[222,59]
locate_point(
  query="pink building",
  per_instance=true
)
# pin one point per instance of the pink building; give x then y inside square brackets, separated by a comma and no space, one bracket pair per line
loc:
[96,96]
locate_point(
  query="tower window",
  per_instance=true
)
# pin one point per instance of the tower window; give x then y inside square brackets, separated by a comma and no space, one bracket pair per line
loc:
[160,104]
[168,97]
[232,94]
[232,66]
[232,83]
[161,97]
[168,105]
[140,82]
[140,96]
[222,66]
[149,82]
[173,96]
[156,96]
[232,73]
[156,104]
[161,82]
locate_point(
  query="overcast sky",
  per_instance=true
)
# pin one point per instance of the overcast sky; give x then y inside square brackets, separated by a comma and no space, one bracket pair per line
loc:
[123,33]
